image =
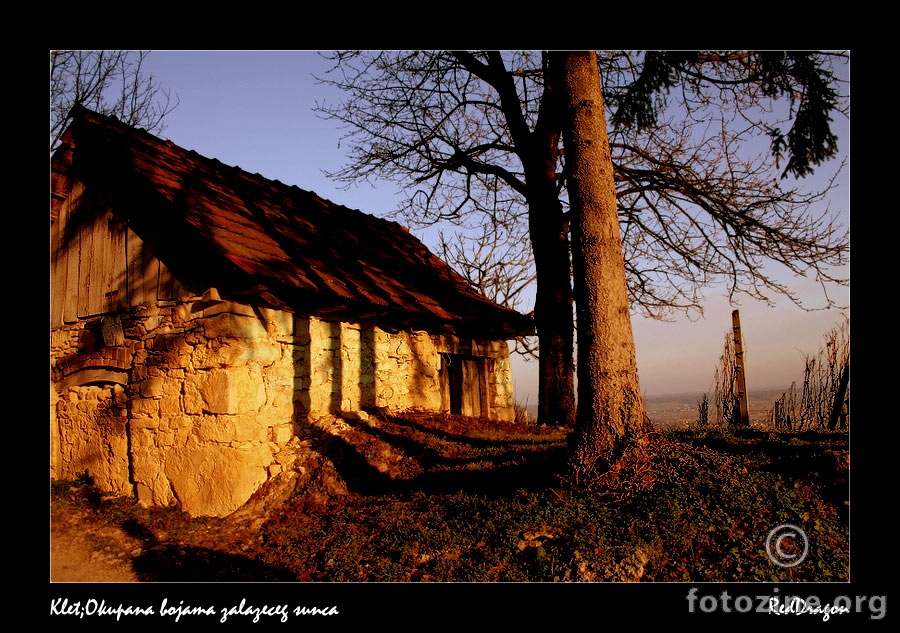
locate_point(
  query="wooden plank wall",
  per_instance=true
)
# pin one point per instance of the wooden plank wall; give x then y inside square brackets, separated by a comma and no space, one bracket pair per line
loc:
[103,269]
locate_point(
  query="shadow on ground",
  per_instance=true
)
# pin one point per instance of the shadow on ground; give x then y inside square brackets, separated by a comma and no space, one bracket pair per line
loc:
[443,462]
[177,563]
[180,563]
[493,475]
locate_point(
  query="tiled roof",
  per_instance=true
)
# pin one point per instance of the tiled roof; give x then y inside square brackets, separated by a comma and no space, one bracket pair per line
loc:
[223,227]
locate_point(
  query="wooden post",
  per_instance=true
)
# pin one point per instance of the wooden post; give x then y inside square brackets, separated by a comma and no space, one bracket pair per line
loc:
[740,376]
[839,398]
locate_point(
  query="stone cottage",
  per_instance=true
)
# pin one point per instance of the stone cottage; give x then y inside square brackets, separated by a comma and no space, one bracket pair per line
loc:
[202,316]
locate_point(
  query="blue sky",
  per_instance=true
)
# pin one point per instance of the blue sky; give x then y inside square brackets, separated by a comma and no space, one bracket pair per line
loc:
[253,109]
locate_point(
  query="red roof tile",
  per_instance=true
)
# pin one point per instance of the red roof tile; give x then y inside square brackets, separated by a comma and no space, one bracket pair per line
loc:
[222,226]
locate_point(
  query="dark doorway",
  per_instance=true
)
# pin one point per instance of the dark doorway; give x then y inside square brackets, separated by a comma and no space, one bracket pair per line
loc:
[466,384]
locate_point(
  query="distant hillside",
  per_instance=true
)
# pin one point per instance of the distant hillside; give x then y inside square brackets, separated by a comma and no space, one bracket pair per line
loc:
[694,396]
[680,409]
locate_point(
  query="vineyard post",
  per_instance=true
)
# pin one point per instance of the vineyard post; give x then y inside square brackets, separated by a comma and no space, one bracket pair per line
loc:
[839,398]
[740,376]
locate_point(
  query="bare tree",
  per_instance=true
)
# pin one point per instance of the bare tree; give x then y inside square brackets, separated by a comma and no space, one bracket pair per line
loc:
[475,139]
[109,82]
[497,261]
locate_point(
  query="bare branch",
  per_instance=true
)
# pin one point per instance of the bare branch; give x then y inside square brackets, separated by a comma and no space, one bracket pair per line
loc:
[700,197]
[108,82]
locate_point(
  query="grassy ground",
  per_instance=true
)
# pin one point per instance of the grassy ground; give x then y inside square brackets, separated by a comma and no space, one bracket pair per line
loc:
[436,499]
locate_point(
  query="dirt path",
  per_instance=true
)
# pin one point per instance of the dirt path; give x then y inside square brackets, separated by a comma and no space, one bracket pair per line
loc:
[82,551]
[98,544]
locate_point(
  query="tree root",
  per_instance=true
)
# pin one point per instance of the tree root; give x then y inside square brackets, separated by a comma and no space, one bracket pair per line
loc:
[638,464]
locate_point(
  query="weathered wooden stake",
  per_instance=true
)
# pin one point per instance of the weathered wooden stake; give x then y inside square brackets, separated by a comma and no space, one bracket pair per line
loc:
[839,398]
[740,375]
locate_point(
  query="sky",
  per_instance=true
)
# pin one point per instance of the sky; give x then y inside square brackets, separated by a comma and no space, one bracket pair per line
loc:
[254,110]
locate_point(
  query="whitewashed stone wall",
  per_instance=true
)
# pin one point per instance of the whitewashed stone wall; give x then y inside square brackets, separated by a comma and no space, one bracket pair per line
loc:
[407,367]
[215,391]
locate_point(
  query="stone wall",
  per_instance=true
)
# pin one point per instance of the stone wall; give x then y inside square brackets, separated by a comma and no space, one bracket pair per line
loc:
[407,366]
[209,392]
[215,390]
[92,436]
[353,368]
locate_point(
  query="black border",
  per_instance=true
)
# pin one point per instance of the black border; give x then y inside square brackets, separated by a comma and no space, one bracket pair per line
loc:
[598,606]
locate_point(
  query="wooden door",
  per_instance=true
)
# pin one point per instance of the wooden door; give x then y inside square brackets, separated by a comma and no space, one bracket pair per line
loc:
[466,386]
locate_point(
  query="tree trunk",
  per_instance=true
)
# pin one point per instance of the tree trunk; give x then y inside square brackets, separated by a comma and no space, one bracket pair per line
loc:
[553,306]
[549,233]
[610,406]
